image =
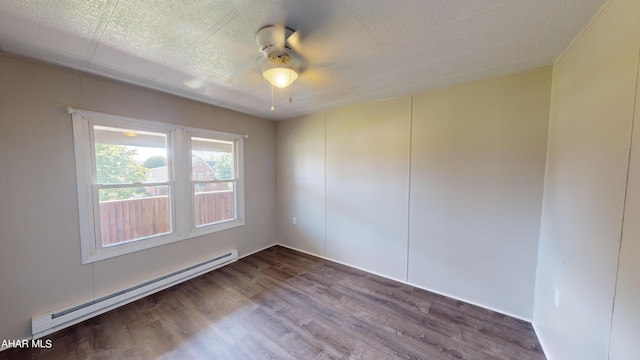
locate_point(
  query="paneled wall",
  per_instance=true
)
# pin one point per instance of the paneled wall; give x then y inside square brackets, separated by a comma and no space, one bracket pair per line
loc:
[40,263]
[367,186]
[441,190]
[300,179]
[580,257]
[477,169]
[625,327]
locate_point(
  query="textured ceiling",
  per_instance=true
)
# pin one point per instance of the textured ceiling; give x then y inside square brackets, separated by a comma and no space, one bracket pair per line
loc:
[355,50]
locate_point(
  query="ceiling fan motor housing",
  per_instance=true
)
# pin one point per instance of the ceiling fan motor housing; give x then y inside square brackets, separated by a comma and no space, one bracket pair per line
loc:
[272,44]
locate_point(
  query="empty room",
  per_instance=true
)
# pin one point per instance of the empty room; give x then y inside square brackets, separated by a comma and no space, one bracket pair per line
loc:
[336,179]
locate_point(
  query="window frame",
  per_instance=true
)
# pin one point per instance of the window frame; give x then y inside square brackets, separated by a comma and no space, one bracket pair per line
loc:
[181,203]
[238,152]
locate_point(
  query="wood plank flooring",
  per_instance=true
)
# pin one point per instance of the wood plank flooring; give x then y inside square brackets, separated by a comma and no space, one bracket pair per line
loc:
[283,304]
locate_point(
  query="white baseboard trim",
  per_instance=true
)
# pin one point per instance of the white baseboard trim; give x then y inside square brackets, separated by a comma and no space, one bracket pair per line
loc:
[410,284]
[256,251]
[541,341]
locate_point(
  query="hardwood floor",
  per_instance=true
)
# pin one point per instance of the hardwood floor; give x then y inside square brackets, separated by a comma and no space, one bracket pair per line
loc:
[283,304]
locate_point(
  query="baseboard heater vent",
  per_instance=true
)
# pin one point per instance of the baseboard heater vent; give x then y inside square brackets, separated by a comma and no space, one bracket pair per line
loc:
[62,318]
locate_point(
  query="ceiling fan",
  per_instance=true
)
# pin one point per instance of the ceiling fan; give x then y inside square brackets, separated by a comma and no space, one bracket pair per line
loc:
[280,46]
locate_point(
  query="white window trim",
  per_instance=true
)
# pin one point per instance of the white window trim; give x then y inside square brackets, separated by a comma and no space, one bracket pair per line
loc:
[238,150]
[181,198]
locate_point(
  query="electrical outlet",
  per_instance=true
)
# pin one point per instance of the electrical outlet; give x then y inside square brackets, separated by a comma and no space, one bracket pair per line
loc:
[294,220]
[556,298]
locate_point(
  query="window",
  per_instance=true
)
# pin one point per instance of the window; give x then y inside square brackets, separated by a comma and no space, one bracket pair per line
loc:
[133,196]
[142,184]
[212,160]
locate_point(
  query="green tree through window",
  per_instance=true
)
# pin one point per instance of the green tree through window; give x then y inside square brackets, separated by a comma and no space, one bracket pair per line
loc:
[155,162]
[224,167]
[115,164]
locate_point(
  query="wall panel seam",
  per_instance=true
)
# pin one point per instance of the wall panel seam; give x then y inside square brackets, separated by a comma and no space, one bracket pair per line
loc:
[624,201]
[406,276]
[324,183]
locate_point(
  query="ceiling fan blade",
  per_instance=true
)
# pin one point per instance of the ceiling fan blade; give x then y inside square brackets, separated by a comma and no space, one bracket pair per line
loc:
[293,41]
[243,71]
[317,76]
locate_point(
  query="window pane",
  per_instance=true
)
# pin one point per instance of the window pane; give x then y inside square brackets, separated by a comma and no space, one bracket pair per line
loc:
[125,156]
[211,159]
[214,202]
[136,216]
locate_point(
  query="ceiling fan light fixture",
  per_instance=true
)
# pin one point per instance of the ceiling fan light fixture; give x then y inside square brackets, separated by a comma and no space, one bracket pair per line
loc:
[280,76]
[284,63]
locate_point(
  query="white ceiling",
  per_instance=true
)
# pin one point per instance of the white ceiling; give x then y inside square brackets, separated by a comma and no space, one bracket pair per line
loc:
[355,50]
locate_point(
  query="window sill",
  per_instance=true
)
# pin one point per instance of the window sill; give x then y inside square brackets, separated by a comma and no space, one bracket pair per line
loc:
[135,246]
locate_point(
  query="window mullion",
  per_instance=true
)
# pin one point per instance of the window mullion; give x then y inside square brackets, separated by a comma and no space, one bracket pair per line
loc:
[124,186]
[182,170]
[235,181]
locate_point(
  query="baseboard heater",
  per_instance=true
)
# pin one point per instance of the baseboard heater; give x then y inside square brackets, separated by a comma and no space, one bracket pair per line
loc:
[62,318]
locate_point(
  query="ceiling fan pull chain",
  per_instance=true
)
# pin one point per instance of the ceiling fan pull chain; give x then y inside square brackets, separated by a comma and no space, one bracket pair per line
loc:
[291,84]
[273,108]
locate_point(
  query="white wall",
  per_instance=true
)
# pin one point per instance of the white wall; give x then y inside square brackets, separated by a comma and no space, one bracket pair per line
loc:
[466,162]
[592,110]
[477,169]
[625,328]
[367,186]
[40,263]
[300,178]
